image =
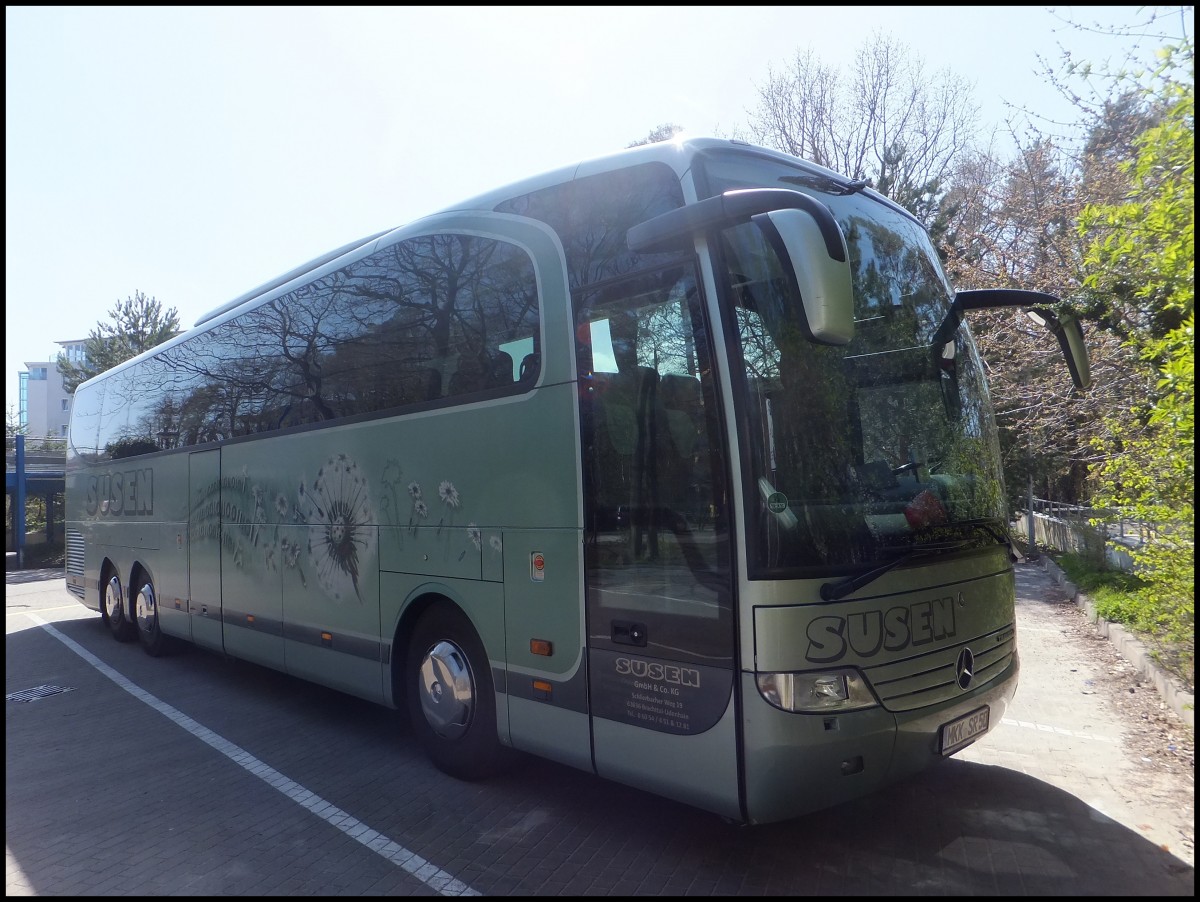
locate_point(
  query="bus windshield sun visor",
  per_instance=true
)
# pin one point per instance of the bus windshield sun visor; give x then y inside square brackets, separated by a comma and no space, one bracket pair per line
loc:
[674,230]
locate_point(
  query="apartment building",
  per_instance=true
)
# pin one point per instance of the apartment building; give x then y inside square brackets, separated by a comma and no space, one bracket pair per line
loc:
[43,406]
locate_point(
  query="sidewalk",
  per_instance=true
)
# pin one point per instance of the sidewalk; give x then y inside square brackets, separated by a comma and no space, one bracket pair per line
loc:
[1173,692]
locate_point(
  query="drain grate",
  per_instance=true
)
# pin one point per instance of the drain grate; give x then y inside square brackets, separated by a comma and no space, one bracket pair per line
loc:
[32,695]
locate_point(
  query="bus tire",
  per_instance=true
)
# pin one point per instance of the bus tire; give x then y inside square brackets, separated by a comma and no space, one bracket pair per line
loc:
[154,641]
[114,611]
[450,695]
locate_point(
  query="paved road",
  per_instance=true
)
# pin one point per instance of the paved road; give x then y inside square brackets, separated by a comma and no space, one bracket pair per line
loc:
[198,775]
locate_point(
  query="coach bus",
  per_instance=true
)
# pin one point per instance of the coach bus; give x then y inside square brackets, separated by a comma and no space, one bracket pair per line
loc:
[676,466]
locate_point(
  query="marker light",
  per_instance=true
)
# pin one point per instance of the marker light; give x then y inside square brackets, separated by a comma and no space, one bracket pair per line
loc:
[831,690]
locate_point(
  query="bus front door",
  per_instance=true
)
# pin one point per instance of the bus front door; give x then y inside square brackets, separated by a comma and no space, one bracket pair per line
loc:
[204,548]
[659,596]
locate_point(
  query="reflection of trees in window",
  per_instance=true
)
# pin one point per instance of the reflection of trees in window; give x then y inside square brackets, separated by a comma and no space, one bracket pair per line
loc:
[593,214]
[759,354]
[891,276]
[413,323]
[666,341]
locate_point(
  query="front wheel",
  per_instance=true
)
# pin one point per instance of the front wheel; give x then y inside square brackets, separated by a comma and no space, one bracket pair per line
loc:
[115,614]
[451,699]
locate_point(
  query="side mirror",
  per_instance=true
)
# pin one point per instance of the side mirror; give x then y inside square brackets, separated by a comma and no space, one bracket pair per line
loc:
[1069,332]
[803,232]
[1065,327]
[821,278]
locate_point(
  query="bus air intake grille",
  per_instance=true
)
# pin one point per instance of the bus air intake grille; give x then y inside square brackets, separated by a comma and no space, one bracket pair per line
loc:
[922,680]
[74,542]
[74,562]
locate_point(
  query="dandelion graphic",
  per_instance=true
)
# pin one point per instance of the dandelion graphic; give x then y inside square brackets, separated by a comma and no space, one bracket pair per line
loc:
[281,506]
[393,473]
[300,493]
[260,514]
[291,558]
[449,495]
[340,531]
[473,532]
[495,542]
[420,512]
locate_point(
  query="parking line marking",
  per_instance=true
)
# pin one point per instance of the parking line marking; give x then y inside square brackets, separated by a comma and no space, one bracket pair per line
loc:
[429,874]
[1046,728]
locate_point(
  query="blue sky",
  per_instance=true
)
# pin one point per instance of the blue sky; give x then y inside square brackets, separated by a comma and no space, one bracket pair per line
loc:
[193,153]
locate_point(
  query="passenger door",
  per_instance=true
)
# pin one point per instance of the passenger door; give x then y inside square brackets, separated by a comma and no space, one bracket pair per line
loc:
[659,592]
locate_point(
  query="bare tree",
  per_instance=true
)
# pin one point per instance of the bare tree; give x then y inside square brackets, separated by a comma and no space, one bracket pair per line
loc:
[887,121]
[664,132]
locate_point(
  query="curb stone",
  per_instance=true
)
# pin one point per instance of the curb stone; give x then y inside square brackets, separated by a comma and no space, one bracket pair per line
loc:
[1130,648]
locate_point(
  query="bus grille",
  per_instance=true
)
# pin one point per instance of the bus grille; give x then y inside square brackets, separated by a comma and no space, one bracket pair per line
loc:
[929,679]
[74,565]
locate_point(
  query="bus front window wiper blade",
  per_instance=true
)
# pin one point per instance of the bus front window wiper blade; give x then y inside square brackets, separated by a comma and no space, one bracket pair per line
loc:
[832,591]
[997,532]
[1001,536]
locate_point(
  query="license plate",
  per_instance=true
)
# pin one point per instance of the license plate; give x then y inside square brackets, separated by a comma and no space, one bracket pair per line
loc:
[959,732]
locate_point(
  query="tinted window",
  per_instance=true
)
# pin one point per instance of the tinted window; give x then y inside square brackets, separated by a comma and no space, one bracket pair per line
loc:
[418,322]
[593,214]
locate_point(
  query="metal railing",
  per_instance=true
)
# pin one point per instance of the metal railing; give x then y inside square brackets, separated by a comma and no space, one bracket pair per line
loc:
[43,453]
[1110,522]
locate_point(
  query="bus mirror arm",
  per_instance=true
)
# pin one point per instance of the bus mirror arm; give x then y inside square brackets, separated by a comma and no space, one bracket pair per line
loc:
[1066,327]
[804,234]
[676,229]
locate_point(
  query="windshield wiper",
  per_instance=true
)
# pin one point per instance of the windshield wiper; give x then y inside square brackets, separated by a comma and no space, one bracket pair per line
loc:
[1001,536]
[832,591]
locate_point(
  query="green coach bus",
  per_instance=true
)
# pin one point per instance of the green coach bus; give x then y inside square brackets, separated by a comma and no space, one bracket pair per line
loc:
[676,466]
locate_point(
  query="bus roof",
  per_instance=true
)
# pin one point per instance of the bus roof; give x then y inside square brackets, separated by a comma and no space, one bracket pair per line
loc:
[677,153]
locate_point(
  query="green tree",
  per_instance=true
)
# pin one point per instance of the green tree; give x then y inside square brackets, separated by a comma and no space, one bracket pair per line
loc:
[12,428]
[138,324]
[1148,241]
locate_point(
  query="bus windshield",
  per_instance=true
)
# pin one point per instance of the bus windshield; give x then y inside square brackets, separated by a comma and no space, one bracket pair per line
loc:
[852,455]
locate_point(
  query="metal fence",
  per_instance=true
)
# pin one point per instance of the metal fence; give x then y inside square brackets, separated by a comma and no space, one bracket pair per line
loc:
[1103,535]
[1111,523]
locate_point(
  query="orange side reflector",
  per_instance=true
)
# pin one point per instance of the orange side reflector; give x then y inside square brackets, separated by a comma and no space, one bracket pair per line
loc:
[249,618]
[541,647]
[542,686]
[326,637]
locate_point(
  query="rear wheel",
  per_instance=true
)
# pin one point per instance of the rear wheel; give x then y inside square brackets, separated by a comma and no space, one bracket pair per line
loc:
[115,613]
[451,699]
[153,639]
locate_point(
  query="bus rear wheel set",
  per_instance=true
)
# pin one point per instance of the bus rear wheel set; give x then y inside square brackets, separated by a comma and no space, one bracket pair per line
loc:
[141,622]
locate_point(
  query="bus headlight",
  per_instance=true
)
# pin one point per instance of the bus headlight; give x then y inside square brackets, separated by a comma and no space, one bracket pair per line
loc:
[828,690]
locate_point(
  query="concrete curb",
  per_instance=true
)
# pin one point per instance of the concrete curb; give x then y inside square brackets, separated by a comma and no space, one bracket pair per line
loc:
[1130,648]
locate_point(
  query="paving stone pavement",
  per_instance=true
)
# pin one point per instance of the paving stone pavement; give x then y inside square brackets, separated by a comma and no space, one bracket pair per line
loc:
[1078,696]
[1083,788]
